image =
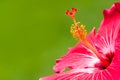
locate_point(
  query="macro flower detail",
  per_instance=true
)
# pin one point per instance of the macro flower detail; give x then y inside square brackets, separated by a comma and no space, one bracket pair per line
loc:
[97,54]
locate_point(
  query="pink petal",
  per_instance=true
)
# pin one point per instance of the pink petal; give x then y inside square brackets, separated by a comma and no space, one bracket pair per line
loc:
[75,60]
[109,30]
[74,74]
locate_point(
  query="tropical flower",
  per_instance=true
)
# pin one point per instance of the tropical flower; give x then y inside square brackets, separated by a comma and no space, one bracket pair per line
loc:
[97,55]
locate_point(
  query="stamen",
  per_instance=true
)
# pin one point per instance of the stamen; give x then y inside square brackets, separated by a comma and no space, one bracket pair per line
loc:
[78,31]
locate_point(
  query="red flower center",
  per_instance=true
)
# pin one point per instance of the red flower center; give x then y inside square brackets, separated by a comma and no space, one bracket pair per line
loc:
[109,58]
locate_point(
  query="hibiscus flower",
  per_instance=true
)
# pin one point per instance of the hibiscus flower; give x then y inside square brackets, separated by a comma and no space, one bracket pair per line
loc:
[97,55]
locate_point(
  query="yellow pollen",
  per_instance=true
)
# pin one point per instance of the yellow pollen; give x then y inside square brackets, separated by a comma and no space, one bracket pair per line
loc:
[78,31]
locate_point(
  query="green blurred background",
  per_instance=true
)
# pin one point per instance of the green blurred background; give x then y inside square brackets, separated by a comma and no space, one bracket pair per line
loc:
[33,33]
